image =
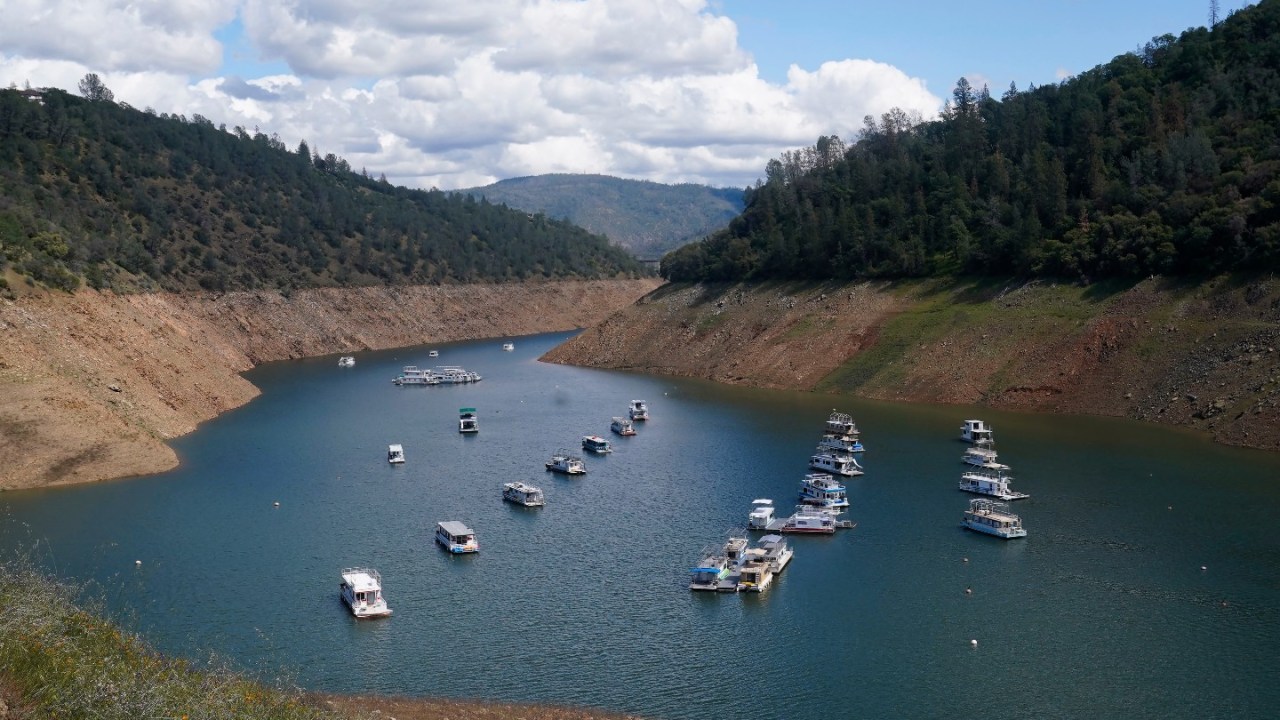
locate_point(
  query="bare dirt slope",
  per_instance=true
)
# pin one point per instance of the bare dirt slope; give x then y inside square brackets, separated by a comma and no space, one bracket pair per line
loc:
[1201,355]
[92,384]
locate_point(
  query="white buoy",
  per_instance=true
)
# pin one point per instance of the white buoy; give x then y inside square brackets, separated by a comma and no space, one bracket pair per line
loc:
[973,643]
[968,591]
[1203,568]
[965,560]
[276,504]
[137,563]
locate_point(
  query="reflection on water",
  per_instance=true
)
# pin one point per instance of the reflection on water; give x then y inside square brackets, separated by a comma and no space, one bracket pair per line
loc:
[1103,610]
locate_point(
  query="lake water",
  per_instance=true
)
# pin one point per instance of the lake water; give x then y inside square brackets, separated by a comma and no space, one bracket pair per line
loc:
[1149,585]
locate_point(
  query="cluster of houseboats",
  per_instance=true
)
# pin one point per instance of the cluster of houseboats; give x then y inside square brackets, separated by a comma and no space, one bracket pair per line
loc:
[361,588]
[442,375]
[987,476]
[739,567]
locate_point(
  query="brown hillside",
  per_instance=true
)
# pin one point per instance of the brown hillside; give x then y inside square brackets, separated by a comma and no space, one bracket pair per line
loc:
[1201,356]
[92,384]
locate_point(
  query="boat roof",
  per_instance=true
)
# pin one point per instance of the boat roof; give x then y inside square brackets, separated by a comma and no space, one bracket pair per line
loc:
[395,448]
[762,501]
[455,528]
[466,410]
[771,539]
[360,580]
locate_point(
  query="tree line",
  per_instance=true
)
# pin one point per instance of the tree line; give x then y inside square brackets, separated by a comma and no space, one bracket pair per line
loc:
[96,191]
[1163,160]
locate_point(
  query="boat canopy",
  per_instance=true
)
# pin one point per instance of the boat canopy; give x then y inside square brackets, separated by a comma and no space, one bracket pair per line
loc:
[455,529]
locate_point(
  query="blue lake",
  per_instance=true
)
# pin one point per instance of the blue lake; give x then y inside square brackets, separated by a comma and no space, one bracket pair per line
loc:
[1149,585]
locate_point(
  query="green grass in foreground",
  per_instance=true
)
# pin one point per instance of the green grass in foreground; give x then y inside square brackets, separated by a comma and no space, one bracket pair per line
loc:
[66,662]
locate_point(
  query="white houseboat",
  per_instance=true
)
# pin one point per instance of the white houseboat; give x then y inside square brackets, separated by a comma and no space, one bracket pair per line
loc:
[565,462]
[467,420]
[346,361]
[807,521]
[638,410]
[361,590]
[992,518]
[995,484]
[835,463]
[596,444]
[622,426]
[521,494]
[453,375]
[508,347]
[822,490]
[412,375]
[841,425]
[776,551]
[456,537]
[983,457]
[434,353]
[395,454]
[735,553]
[761,514]
[840,445]
[977,432]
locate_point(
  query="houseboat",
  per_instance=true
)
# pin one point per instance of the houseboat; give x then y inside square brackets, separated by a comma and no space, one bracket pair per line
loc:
[596,444]
[776,551]
[840,444]
[761,514]
[434,353]
[565,462]
[453,375]
[807,521]
[622,426]
[735,553]
[456,537]
[412,375]
[467,420]
[983,457]
[822,490]
[841,425]
[346,361]
[521,494]
[755,574]
[992,518]
[361,590]
[712,568]
[994,483]
[836,464]
[977,432]
[395,454]
[638,410]
[508,347]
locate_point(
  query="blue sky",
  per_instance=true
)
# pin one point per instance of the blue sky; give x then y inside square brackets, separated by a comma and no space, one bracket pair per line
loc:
[454,94]
[1021,41]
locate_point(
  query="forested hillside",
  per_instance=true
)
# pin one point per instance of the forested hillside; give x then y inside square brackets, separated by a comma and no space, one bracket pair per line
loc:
[1163,161]
[92,190]
[649,218]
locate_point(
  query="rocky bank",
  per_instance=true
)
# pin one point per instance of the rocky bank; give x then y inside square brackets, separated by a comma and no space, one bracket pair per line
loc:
[1200,355]
[93,384]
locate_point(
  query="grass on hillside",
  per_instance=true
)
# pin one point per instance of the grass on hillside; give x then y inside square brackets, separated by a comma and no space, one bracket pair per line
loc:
[66,662]
[990,305]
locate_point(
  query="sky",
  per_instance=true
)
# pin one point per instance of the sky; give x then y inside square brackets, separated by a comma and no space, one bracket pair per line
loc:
[460,93]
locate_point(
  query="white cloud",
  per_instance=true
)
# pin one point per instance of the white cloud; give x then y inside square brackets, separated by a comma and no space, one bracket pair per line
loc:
[118,35]
[450,94]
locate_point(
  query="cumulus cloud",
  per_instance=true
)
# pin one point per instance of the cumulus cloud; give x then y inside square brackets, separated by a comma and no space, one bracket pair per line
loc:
[450,94]
[118,35]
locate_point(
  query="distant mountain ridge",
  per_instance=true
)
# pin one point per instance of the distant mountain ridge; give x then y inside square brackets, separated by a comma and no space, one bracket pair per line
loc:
[646,217]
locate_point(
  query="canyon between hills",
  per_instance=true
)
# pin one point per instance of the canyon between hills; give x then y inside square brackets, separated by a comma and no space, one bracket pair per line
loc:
[92,384]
